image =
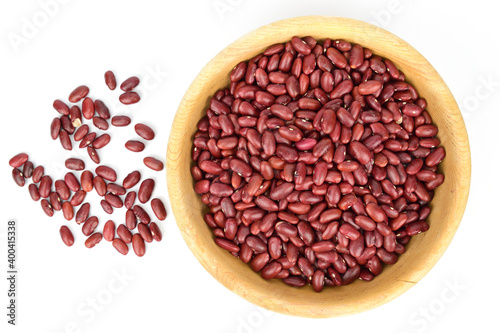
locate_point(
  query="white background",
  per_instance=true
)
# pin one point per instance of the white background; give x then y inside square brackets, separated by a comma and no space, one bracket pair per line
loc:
[167,43]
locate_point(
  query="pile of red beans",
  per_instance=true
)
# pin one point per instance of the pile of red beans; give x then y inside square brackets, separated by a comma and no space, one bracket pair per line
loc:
[317,163]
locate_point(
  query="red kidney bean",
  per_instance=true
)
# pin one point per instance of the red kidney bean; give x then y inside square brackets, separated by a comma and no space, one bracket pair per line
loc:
[28,169]
[88,108]
[94,156]
[82,213]
[45,186]
[300,46]
[131,179]
[435,157]
[369,87]
[426,131]
[66,236]
[110,80]
[47,208]
[141,214]
[129,97]
[266,203]
[159,209]
[80,133]
[295,281]
[146,189]
[78,198]
[68,211]
[144,131]
[120,246]
[416,228]
[129,199]
[286,229]
[271,270]
[375,212]
[113,200]
[37,174]
[65,140]
[90,225]
[74,164]
[77,94]
[106,173]
[134,145]
[138,245]
[124,234]
[275,247]
[106,207]
[129,83]
[109,230]
[99,185]
[131,218]
[282,112]
[115,189]
[365,223]
[360,152]
[100,123]
[61,107]
[55,128]
[75,116]
[120,121]
[153,163]
[227,244]
[155,232]
[101,109]
[101,141]
[55,201]
[349,231]
[67,125]
[62,189]
[17,175]
[33,190]
[87,140]
[93,240]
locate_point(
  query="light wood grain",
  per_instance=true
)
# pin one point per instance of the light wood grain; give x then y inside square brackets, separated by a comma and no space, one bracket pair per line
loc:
[423,251]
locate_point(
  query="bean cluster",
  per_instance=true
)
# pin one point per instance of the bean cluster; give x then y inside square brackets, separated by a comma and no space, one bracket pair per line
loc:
[68,194]
[317,162]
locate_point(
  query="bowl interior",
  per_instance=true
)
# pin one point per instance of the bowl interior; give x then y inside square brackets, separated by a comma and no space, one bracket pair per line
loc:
[423,251]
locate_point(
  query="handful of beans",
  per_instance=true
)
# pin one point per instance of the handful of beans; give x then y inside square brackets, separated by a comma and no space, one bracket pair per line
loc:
[317,163]
[104,178]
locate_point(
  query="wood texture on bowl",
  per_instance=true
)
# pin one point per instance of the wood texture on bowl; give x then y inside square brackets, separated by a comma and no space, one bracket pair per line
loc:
[423,251]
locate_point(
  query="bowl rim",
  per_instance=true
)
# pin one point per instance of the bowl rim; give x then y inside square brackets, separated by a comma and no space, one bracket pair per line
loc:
[360,32]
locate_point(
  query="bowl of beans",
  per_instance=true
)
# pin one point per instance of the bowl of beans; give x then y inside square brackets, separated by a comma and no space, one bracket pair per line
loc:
[318,166]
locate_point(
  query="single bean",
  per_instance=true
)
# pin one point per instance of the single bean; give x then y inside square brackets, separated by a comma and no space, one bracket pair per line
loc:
[129,83]
[153,163]
[66,236]
[93,240]
[144,131]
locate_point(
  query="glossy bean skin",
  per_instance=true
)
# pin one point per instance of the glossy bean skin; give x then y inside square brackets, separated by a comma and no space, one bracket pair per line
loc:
[138,245]
[153,163]
[120,121]
[110,80]
[129,83]
[109,231]
[120,246]
[67,236]
[93,240]
[78,93]
[144,131]
[129,97]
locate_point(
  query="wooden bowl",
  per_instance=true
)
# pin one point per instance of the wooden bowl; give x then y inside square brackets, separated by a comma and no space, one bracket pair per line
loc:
[423,251]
